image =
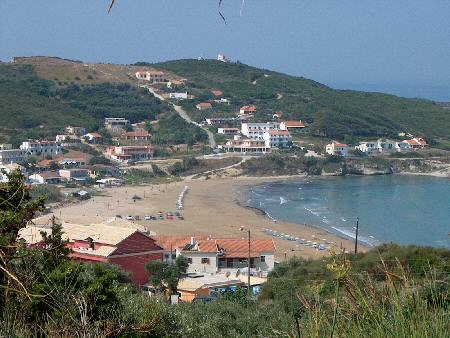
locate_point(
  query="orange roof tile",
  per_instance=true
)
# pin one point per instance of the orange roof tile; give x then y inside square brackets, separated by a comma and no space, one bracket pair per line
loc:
[249,108]
[137,133]
[294,124]
[278,132]
[239,247]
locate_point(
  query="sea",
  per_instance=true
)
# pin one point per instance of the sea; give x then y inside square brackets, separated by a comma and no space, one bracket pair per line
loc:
[390,208]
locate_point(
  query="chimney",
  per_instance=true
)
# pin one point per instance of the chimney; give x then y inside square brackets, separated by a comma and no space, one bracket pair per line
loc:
[91,243]
[193,241]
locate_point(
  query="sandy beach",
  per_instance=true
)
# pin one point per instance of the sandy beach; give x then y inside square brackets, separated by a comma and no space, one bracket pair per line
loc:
[211,207]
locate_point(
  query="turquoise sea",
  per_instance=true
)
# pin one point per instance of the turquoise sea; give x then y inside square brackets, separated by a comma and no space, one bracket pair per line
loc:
[391,208]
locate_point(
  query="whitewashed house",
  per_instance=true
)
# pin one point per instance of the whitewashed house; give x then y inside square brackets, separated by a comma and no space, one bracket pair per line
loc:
[9,155]
[386,146]
[277,138]
[256,131]
[367,147]
[337,148]
[178,96]
[228,131]
[35,147]
[153,76]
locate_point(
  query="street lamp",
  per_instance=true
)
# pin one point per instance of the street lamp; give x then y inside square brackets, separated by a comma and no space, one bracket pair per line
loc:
[356,237]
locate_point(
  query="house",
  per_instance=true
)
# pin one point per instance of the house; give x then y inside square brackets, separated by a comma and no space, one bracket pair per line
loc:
[78,131]
[127,154]
[222,57]
[153,76]
[75,174]
[116,125]
[137,135]
[228,131]
[240,145]
[292,125]
[337,148]
[174,84]
[385,146]
[197,286]
[122,245]
[67,140]
[45,177]
[247,110]
[9,155]
[223,101]
[35,147]
[204,106]
[93,137]
[178,96]
[256,130]
[219,120]
[277,138]
[417,143]
[367,147]
[212,255]
[217,92]
[6,169]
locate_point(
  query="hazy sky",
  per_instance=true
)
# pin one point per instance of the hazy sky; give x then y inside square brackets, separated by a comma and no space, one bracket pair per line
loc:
[399,46]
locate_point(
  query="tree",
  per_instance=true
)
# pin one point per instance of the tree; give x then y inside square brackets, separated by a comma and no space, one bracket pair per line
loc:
[17,209]
[165,275]
[55,247]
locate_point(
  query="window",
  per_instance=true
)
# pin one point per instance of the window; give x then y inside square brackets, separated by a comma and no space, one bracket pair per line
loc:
[205,260]
[263,259]
[189,260]
[229,262]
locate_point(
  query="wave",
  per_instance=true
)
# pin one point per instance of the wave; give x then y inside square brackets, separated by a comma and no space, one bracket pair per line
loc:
[352,235]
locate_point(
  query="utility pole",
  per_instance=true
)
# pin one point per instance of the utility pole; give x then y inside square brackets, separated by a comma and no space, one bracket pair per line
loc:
[248,264]
[356,237]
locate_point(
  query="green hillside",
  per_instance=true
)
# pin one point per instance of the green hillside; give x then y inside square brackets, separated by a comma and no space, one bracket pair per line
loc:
[332,113]
[31,107]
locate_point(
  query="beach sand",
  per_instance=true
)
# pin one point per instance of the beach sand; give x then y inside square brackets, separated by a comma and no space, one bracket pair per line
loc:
[211,207]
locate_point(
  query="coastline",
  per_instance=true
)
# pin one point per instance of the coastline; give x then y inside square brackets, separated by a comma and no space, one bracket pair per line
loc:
[210,208]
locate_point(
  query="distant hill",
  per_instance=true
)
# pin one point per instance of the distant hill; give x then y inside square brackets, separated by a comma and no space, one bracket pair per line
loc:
[33,107]
[332,113]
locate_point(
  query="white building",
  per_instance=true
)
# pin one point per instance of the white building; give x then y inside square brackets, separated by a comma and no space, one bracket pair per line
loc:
[219,120]
[75,130]
[368,147]
[222,57]
[178,96]
[116,124]
[154,76]
[277,138]
[212,255]
[244,146]
[9,155]
[127,154]
[385,146]
[337,148]
[228,131]
[41,147]
[292,125]
[256,130]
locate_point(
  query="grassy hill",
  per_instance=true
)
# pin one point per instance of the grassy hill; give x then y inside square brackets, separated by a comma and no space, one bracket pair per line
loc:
[332,113]
[32,107]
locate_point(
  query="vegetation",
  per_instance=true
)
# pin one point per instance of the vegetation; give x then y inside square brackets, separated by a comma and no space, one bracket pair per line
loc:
[331,113]
[191,165]
[51,193]
[32,107]
[172,129]
[165,275]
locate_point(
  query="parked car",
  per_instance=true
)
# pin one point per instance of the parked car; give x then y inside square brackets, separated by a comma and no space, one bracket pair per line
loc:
[147,217]
[119,216]
[153,218]
[130,218]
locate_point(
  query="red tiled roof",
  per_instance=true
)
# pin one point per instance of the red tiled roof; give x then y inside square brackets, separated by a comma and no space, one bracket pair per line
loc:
[239,247]
[49,174]
[137,133]
[338,144]
[294,124]
[249,108]
[204,104]
[278,132]
[94,134]
[217,92]
[173,242]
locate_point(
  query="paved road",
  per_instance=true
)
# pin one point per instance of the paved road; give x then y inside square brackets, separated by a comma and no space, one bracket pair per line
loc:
[185,116]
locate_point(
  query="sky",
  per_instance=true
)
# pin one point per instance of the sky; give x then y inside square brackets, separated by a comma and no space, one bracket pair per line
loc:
[396,46]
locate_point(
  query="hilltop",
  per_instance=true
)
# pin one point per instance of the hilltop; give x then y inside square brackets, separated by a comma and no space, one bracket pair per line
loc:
[332,113]
[41,95]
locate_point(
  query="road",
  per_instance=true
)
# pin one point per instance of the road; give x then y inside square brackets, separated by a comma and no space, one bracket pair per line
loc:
[185,116]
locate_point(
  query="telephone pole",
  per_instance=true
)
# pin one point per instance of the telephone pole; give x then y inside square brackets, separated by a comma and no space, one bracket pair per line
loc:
[248,265]
[356,237]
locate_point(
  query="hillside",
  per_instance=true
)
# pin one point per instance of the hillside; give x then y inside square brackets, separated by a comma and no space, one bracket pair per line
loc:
[33,107]
[332,113]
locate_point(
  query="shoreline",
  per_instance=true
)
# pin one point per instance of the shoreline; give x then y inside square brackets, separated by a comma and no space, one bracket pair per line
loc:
[210,209]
